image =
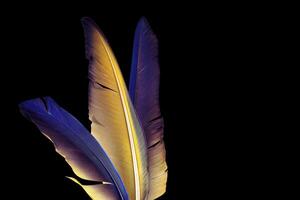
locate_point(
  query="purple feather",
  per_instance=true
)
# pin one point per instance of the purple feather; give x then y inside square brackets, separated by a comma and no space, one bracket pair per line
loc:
[144,93]
[144,82]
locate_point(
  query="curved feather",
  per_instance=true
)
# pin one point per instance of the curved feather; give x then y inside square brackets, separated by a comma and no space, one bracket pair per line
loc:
[144,93]
[114,122]
[81,151]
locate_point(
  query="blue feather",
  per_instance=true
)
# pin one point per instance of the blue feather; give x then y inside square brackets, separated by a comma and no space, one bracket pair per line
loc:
[67,132]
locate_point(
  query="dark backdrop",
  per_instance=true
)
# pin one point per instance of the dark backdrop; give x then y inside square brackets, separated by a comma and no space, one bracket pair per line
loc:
[207,60]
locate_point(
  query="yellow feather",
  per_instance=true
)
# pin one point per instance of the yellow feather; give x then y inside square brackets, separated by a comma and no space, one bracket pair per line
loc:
[114,122]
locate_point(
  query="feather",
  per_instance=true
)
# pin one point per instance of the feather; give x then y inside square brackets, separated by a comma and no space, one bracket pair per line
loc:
[81,151]
[114,122]
[144,93]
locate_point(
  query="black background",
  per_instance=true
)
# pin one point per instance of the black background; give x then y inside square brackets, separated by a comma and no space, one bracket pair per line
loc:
[207,56]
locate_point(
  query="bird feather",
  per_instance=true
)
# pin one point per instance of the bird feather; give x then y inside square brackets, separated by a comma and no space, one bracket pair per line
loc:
[144,93]
[125,154]
[114,121]
[81,151]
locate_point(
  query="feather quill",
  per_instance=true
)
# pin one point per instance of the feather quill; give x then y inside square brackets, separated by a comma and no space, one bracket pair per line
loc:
[114,122]
[81,151]
[144,93]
